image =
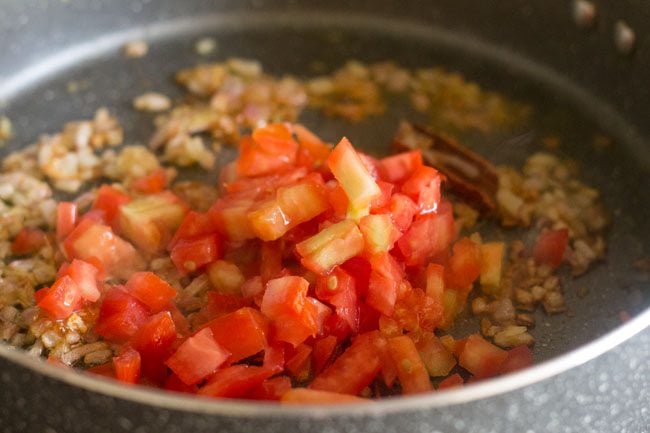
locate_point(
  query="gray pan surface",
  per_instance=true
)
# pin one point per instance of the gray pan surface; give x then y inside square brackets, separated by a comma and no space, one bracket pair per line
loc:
[48,44]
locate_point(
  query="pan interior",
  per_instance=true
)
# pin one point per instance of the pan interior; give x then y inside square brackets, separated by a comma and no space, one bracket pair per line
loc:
[294,45]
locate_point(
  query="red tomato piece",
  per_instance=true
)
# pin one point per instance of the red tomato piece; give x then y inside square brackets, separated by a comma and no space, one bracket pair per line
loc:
[66,218]
[28,241]
[194,224]
[313,151]
[314,396]
[154,341]
[85,275]
[197,357]
[152,183]
[519,357]
[274,357]
[192,254]
[414,311]
[437,359]
[127,366]
[385,278]
[424,188]
[428,236]
[109,200]
[231,216]
[550,246]
[235,381]
[270,149]
[271,389]
[323,352]
[299,364]
[402,210]
[220,304]
[398,168]
[339,290]
[174,383]
[435,282]
[481,358]
[464,264]
[61,299]
[331,246]
[151,290]
[453,381]
[92,241]
[354,369]
[243,333]
[412,374]
[120,315]
[379,233]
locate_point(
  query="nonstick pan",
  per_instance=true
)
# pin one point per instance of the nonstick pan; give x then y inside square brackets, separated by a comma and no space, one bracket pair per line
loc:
[582,66]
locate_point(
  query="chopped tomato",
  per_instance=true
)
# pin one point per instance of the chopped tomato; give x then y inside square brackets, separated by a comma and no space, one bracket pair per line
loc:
[226,277]
[151,290]
[436,358]
[412,374]
[313,151]
[127,366]
[61,299]
[464,264]
[193,254]
[402,210]
[198,357]
[235,381]
[120,315]
[492,254]
[154,340]
[428,236]
[299,364]
[243,333]
[314,396]
[353,176]
[385,278]
[152,183]
[270,149]
[28,241]
[271,389]
[424,188]
[398,168]
[332,246]
[518,358]
[415,310]
[354,369]
[174,383]
[66,218]
[435,282]
[220,304]
[379,233]
[339,290]
[453,381]
[110,200]
[85,275]
[194,224]
[481,358]
[549,247]
[231,216]
[150,221]
[323,352]
[93,241]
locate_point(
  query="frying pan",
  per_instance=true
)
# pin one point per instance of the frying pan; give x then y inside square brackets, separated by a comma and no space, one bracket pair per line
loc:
[593,373]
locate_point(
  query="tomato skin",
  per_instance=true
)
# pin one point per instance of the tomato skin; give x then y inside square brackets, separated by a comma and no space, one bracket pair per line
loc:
[323,352]
[197,357]
[550,246]
[61,299]
[235,381]
[398,168]
[299,364]
[28,241]
[127,366]
[354,369]
[243,333]
[66,218]
[314,396]
[424,188]
[402,210]
[481,358]
[412,374]
[313,151]
[151,290]
[109,200]
[193,254]
[270,149]
[120,315]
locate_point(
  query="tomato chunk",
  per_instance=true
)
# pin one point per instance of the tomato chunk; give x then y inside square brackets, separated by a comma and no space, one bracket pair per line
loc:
[398,168]
[153,340]
[481,358]
[110,200]
[464,264]
[385,279]
[428,236]
[235,381]
[151,290]
[193,254]
[28,241]
[61,299]
[120,315]
[412,374]
[66,218]
[127,366]
[354,369]
[314,396]
[332,246]
[549,247]
[85,275]
[198,357]
[243,333]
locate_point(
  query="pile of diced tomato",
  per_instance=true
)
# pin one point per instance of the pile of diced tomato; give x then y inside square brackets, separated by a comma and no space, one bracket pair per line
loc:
[329,272]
